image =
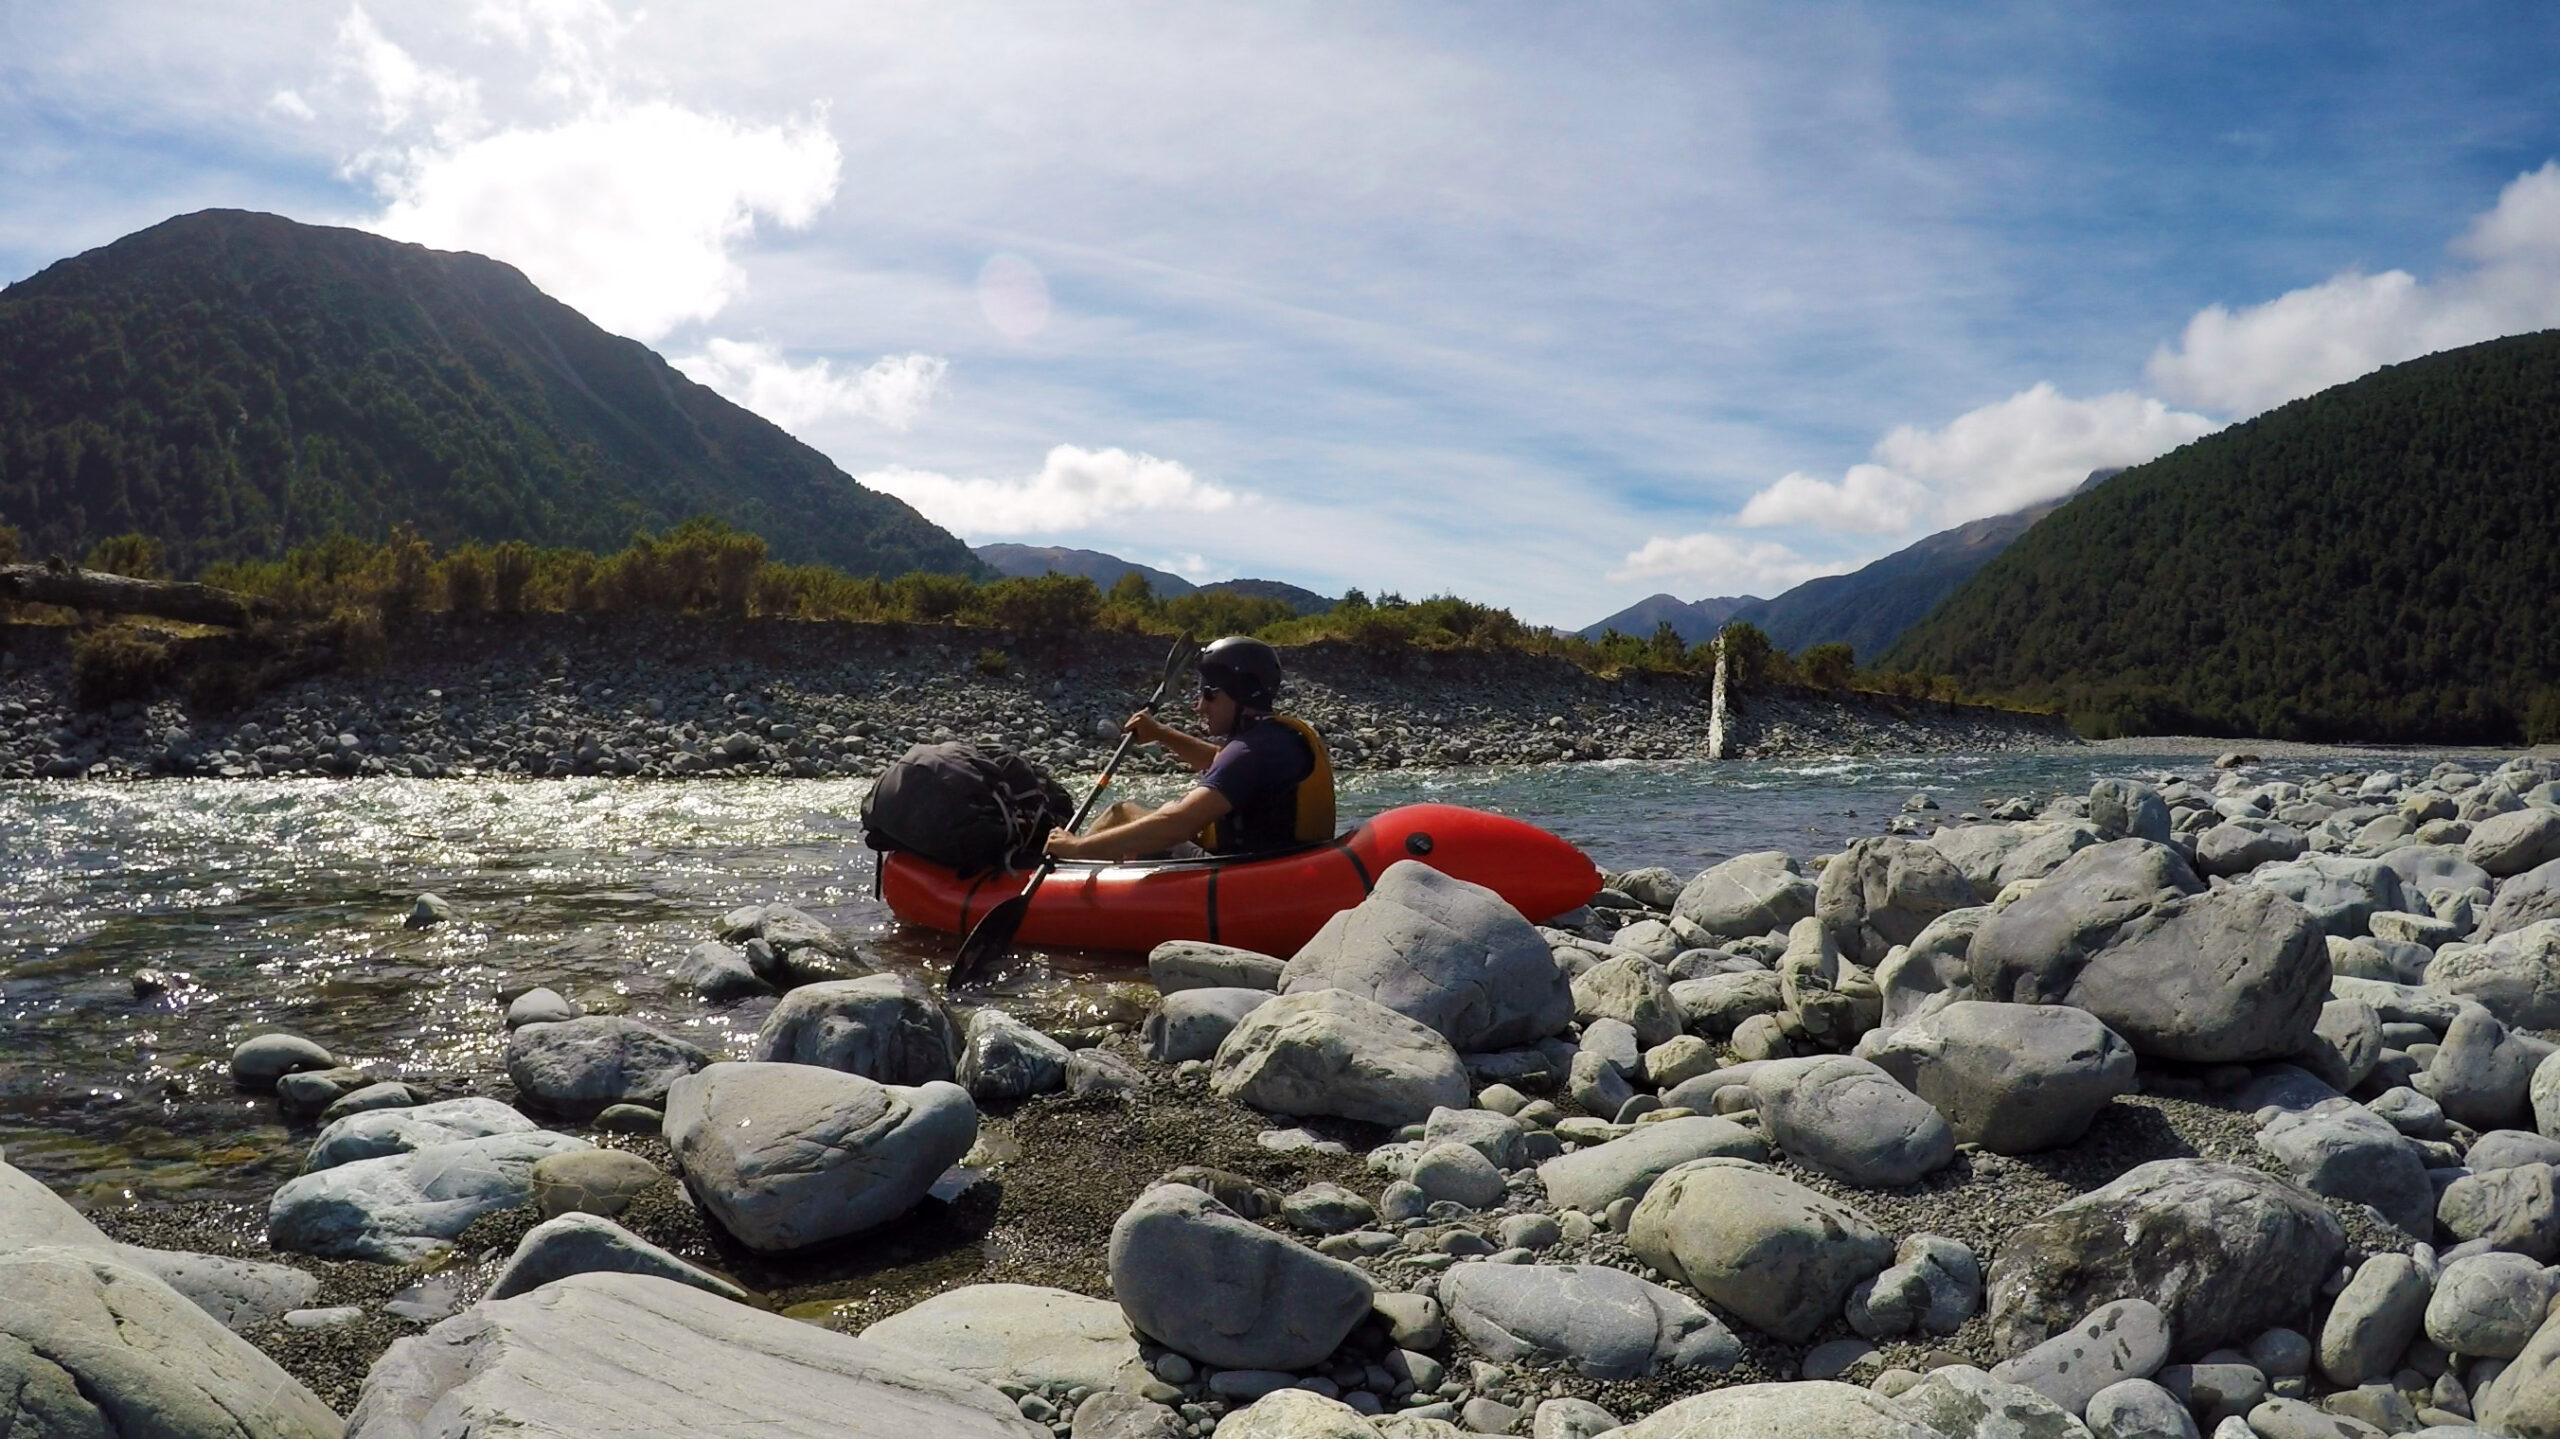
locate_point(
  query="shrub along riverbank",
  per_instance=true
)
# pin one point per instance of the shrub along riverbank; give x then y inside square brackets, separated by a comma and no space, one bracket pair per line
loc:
[349,593]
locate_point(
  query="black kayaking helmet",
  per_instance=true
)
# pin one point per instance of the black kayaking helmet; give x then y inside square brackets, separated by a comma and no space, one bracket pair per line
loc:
[1244,668]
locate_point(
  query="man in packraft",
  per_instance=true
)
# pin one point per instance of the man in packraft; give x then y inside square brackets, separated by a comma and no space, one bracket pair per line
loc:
[1265,781]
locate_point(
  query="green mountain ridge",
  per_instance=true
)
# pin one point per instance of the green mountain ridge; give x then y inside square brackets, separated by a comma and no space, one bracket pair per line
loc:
[2378,562]
[234,384]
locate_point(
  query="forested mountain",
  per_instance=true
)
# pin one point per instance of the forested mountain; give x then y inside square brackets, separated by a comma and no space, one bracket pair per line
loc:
[1691,620]
[1297,597]
[234,384]
[2380,561]
[1104,570]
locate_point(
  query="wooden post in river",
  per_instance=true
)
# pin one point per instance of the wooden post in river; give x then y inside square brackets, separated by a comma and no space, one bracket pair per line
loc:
[1715,708]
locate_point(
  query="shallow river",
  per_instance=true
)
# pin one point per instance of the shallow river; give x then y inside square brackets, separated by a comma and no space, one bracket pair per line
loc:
[280,905]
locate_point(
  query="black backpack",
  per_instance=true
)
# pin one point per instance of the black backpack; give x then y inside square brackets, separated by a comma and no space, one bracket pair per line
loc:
[964,807]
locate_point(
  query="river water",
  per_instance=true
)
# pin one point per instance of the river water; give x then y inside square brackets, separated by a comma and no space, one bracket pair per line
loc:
[279,905]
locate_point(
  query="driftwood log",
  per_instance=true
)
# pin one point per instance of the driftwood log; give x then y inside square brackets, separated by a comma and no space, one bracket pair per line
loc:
[104,593]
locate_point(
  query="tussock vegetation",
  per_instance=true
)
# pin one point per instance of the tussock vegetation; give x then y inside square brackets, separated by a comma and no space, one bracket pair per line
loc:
[708,569]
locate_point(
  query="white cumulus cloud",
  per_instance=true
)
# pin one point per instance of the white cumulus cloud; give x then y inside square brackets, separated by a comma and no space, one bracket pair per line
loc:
[1074,488]
[892,391]
[2032,446]
[627,209]
[1715,564]
[2239,362]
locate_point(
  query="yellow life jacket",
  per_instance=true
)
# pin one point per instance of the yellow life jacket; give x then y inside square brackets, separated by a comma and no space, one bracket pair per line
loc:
[1314,794]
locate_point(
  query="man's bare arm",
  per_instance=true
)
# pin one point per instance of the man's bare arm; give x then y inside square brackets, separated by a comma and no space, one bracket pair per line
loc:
[1161,830]
[1194,752]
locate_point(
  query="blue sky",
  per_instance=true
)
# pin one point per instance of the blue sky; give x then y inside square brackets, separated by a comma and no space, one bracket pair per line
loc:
[1553,306]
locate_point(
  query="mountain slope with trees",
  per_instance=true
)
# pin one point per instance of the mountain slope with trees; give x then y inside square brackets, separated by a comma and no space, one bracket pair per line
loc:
[2380,561]
[237,384]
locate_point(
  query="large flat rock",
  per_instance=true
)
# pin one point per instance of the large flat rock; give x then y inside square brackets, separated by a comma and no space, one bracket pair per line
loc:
[634,1357]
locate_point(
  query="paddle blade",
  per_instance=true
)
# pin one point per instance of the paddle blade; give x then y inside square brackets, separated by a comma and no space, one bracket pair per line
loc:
[988,941]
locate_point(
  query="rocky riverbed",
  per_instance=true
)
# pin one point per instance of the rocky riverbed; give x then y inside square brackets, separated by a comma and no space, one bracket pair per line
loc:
[2175,1108]
[558,695]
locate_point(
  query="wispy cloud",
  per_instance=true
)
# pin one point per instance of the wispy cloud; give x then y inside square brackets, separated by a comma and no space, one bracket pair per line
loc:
[1074,488]
[892,391]
[1711,563]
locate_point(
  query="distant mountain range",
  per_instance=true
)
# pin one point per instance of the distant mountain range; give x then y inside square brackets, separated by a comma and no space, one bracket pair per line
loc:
[1107,570]
[1691,620]
[235,384]
[1866,609]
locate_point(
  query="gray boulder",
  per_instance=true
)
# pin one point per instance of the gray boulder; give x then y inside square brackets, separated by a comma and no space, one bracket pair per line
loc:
[1114,1414]
[1777,1255]
[408,1206]
[1498,1137]
[1633,991]
[240,1294]
[1330,1051]
[2237,846]
[375,1133]
[1717,1004]
[1202,1282]
[720,973]
[1099,1071]
[639,1357]
[2125,1339]
[1180,964]
[2341,893]
[1995,856]
[2482,1074]
[1931,972]
[885,1027]
[2512,843]
[2013,1078]
[2343,1150]
[1750,894]
[2376,1316]
[1019,1334]
[1459,1175]
[2429,870]
[1832,1000]
[1449,954]
[1782,1411]
[577,1068]
[2346,1043]
[2528,899]
[2487,1306]
[1606,1323]
[789,1155]
[2226,1252]
[1002,1058]
[92,1346]
[261,1060]
[1849,1119]
[2138,1409]
[2128,809]
[2524,1399]
[577,1243]
[2515,975]
[2122,931]
[2515,1209]
[1960,1399]
[1882,891]
[1594,1177]
[1192,1023]
[1933,1286]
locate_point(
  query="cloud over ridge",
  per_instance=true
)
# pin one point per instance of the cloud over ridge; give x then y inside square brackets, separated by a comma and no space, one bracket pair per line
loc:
[1073,488]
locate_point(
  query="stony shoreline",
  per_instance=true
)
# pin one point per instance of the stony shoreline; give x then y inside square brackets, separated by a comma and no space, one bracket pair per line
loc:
[559,695]
[1806,1113]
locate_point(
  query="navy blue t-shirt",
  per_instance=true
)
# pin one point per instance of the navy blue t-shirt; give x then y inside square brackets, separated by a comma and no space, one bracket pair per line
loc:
[1258,770]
